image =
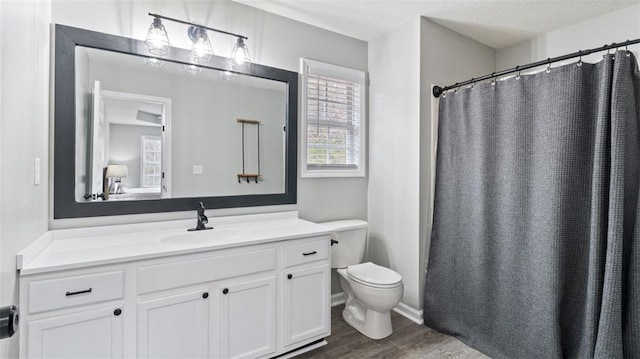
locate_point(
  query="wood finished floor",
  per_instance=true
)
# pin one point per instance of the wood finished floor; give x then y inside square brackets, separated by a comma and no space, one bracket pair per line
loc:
[408,341]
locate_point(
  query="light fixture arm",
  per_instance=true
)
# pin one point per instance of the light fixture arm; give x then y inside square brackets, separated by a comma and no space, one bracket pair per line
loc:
[199,26]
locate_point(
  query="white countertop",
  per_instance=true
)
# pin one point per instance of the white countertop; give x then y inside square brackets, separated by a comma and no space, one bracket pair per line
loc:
[82,247]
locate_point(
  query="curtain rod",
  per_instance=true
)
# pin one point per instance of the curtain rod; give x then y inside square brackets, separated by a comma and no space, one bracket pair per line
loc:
[437,90]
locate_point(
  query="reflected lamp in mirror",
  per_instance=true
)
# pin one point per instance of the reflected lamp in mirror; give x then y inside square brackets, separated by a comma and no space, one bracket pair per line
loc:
[240,54]
[115,174]
[157,39]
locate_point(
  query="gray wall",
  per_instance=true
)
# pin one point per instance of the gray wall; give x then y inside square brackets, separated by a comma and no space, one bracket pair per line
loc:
[24,135]
[273,40]
[124,141]
[204,130]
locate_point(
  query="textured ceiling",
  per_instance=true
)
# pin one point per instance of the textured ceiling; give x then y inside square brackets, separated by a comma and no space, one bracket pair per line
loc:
[494,23]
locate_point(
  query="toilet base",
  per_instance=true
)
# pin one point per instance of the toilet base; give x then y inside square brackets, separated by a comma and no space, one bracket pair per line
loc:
[372,324]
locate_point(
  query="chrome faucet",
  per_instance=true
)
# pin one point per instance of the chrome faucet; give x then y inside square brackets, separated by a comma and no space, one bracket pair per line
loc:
[202,219]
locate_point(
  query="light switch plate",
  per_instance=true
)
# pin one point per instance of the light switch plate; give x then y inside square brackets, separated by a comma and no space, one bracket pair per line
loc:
[197,169]
[36,171]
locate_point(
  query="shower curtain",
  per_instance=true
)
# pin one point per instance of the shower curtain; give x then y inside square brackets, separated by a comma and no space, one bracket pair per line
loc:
[535,248]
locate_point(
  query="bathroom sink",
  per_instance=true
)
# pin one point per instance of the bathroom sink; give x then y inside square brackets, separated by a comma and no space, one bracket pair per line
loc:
[205,236]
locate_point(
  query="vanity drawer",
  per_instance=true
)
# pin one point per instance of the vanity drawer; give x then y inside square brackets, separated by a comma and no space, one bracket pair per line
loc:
[74,291]
[306,252]
[179,274]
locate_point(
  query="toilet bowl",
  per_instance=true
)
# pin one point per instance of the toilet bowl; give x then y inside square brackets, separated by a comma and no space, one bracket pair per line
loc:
[370,290]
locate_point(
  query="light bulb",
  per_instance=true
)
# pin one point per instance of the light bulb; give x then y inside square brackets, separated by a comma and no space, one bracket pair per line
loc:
[227,75]
[153,62]
[157,40]
[193,69]
[240,54]
[201,49]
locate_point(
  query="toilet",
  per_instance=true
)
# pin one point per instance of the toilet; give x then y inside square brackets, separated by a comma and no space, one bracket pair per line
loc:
[370,290]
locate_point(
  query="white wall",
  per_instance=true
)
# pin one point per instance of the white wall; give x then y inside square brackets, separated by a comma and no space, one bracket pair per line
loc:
[273,41]
[24,133]
[394,154]
[83,115]
[615,27]
[402,66]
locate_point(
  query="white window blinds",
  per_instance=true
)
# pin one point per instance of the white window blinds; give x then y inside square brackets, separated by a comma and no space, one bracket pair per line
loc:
[333,120]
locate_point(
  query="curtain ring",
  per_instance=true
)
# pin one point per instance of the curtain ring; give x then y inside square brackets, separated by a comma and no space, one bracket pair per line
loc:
[626,47]
[548,65]
[518,74]
[580,59]
[472,83]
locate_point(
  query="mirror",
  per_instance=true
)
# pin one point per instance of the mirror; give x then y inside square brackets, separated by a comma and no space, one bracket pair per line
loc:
[134,134]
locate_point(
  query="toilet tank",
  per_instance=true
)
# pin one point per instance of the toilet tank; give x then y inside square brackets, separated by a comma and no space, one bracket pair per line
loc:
[351,237]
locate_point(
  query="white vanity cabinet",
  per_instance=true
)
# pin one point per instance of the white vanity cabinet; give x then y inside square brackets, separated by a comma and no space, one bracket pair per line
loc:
[73,314]
[175,326]
[248,318]
[96,333]
[253,299]
[307,291]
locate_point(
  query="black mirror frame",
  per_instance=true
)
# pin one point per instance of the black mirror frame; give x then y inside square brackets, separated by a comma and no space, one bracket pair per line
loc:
[64,203]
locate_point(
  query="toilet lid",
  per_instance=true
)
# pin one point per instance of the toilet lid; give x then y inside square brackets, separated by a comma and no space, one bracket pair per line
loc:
[374,275]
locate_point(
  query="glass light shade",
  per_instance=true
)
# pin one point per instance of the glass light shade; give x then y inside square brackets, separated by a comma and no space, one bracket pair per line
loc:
[157,40]
[193,69]
[240,54]
[227,75]
[117,171]
[201,48]
[153,62]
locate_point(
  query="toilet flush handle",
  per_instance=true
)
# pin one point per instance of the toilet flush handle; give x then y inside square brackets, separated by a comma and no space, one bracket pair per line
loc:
[333,241]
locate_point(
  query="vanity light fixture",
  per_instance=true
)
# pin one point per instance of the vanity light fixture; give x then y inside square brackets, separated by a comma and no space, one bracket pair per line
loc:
[201,48]
[240,54]
[157,39]
[202,51]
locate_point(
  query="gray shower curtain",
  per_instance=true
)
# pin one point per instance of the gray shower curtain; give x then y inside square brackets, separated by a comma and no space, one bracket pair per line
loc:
[535,249]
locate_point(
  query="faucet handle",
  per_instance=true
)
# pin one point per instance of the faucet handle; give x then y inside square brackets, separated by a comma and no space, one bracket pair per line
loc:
[201,205]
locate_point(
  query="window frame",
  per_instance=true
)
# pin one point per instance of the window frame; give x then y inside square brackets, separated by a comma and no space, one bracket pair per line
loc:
[339,73]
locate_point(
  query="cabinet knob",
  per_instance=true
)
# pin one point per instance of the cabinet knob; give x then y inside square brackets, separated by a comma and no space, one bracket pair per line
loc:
[225,291]
[205,295]
[289,276]
[117,312]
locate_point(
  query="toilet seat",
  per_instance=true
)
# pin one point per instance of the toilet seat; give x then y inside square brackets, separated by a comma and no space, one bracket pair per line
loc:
[372,275]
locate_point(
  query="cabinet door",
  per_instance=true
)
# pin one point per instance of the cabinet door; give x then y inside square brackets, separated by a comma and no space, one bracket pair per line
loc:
[91,334]
[247,318]
[307,312]
[174,327]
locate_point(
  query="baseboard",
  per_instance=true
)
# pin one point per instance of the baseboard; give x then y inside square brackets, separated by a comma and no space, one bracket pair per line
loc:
[337,299]
[406,311]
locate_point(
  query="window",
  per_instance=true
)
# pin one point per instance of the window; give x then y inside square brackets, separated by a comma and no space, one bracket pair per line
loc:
[333,124]
[151,174]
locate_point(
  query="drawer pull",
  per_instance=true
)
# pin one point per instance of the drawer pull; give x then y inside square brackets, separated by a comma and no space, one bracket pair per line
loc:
[309,253]
[79,292]
[117,312]
[289,276]
[205,295]
[225,291]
